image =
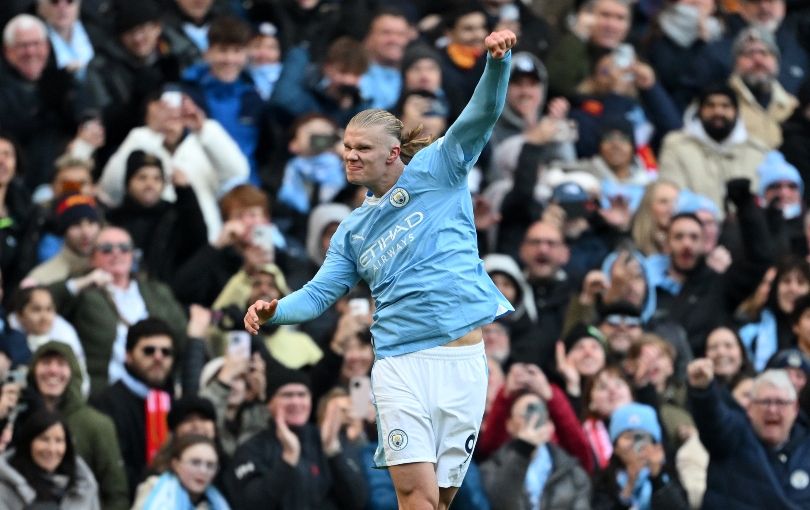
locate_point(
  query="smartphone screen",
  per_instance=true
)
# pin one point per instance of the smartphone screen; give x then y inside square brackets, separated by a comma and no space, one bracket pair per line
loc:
[239,344]
[360,396]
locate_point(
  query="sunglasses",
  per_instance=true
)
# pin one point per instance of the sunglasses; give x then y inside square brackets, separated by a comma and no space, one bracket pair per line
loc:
[150,350]
[107,248]
[618,320]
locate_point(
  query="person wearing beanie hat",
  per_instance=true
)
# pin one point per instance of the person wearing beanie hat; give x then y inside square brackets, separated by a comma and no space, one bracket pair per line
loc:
[192,415]
[718,258]
[77,219]
[713,147]
[638,475]
[635,418]
[764,103]
[621,326]
[291,448]
[796,363]
[131,66]
[781,184]
[166,232]
[583,350]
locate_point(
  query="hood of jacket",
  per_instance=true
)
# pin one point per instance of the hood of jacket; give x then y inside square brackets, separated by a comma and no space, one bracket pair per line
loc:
[498,263]
[322,216]
[694,128]
[72,398]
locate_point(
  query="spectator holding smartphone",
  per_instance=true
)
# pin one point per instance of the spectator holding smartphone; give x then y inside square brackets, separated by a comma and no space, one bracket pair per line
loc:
[637,476]
[529,471]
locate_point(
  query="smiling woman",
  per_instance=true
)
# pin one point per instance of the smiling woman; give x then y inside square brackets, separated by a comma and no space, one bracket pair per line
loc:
[43,468]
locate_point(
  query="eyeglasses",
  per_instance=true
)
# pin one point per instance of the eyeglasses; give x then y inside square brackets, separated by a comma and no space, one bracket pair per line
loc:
[202,465]
[107,248]
[773,402]
[626,320]
[150,350]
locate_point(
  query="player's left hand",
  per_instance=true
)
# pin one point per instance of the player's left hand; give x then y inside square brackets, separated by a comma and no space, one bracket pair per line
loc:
[498,43]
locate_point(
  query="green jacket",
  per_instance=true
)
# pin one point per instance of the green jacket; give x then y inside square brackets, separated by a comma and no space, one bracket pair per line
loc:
[92,312]
[568,64]
[93,433]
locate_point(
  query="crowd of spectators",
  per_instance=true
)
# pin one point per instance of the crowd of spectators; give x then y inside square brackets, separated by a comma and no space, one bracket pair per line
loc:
[643,204]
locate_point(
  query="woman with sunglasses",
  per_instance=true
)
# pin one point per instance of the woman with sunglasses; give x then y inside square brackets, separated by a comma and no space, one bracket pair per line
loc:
[187,484]
[42,469]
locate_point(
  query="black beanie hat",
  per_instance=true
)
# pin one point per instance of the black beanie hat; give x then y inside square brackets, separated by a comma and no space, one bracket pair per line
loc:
[72,208]
[189,405]
[278,376]
[130,14]
[138,159]
[580,331]
[718,89]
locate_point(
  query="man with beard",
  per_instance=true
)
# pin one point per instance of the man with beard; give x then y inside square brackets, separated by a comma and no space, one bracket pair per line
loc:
[690,293]
[139,402]
[764,103]
[712,148]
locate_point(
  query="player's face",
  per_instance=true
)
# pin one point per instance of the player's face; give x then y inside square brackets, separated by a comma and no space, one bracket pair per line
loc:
[368,155]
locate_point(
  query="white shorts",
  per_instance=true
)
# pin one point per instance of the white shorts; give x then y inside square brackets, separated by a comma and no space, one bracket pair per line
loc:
[429,408]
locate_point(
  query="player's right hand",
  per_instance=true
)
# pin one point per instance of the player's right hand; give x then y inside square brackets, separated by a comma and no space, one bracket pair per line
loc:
[259,313]
[498,43]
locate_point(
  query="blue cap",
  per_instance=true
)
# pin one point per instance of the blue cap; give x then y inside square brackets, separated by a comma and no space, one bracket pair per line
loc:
[790,358]
[690,202]
[634,417]
[774,168]
[569,193]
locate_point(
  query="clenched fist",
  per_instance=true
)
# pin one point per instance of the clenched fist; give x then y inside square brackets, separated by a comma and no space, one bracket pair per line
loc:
[700,373]
[498,43]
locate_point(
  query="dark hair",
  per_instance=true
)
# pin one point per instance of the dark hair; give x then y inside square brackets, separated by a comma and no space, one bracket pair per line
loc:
[33,426]
[612,370]
[385,10]
[244,195]
[305,119]
[151,326]
[347,55]
[15,145]
[229,31]
[685,215]
[787,265]
[746,368]
[23,296]
[452,17]
[801,304]
[183,443]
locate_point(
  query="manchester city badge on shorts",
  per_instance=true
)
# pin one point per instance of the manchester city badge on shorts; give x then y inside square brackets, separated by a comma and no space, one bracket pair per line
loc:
[399,197]
[397,439]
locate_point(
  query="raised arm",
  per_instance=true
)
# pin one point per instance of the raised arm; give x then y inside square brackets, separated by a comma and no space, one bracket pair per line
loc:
[474,126]
[336,276]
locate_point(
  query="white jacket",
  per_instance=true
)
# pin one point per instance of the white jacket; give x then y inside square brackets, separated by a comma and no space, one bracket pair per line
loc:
[211,159]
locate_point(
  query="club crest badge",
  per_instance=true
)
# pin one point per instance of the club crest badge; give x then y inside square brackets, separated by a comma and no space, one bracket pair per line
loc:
[399,197]
[397,439]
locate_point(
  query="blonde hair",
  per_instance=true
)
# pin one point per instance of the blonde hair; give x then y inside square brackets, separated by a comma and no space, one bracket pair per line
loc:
[647,236]
[410,143]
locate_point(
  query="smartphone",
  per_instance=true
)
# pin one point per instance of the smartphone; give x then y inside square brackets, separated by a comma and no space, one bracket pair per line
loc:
[536,411]
[640,440]
[262,236]
[239,344]
[359,306]
[173,98]
[624,55]
[321,143]
[360,396]
[18,376]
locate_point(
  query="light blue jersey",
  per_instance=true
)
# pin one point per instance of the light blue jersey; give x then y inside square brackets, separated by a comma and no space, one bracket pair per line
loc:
[416,245]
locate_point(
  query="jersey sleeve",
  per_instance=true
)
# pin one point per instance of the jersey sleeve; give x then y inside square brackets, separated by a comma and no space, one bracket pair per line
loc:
[458,150]
[336,277]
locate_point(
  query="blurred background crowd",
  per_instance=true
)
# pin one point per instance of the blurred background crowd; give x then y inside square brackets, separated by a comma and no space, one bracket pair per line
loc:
[641,202]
